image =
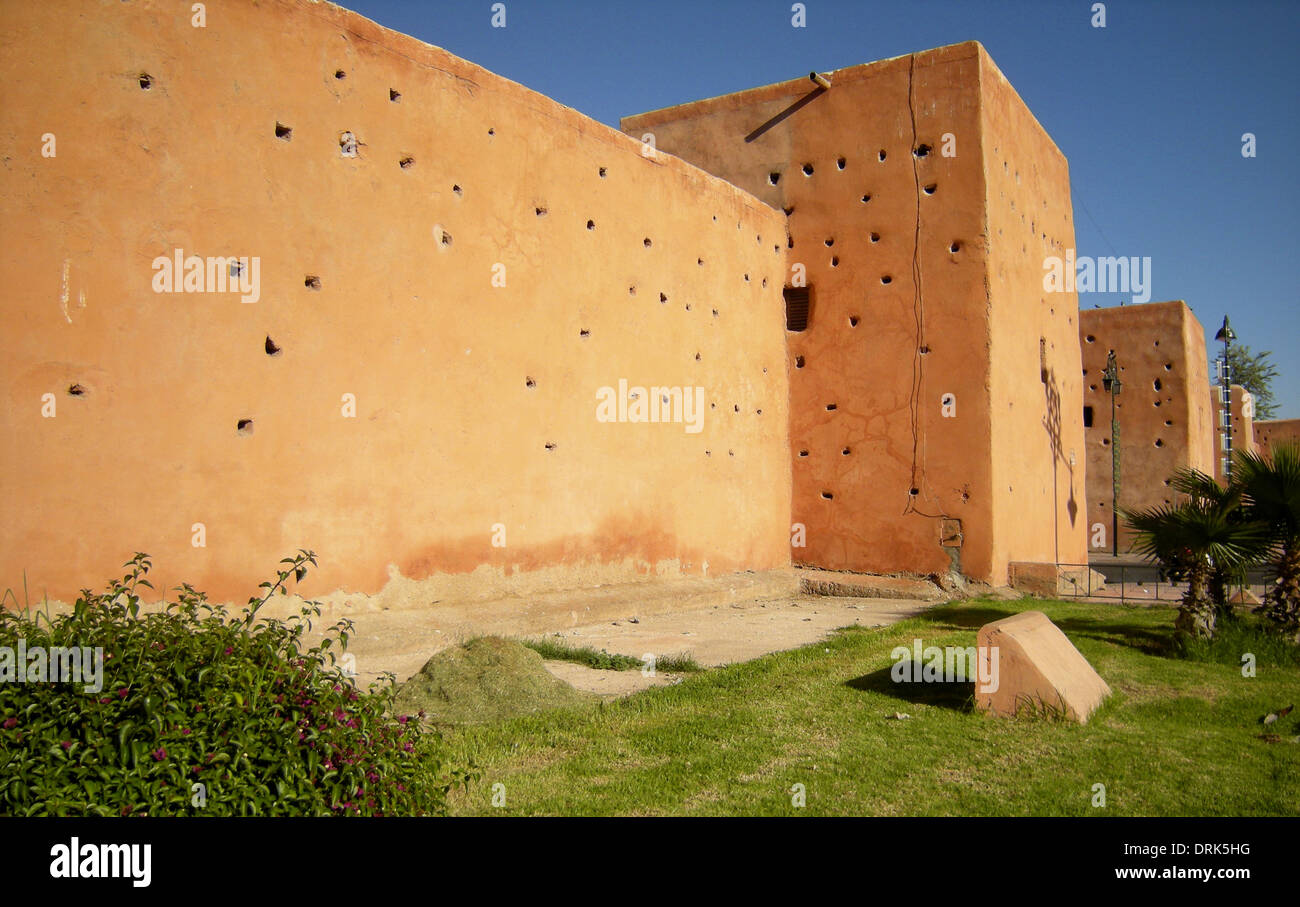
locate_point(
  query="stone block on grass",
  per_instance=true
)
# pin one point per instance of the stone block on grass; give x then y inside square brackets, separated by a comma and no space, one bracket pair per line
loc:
[1038,669]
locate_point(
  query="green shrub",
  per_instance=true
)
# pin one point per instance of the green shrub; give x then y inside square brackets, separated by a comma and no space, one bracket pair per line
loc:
[204,713]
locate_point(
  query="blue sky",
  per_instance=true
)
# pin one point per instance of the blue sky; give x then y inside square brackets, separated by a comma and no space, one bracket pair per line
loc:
[1149,110]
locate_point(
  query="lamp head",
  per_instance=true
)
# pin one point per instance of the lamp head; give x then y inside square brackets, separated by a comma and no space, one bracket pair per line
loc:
[1110,377]
[1225,333]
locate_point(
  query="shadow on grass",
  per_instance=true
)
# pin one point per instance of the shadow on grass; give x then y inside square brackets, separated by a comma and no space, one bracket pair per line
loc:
[951,617]
[1145,639]
[959,697]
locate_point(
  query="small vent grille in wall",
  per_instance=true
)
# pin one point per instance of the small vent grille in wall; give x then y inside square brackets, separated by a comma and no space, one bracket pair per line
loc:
[797,305]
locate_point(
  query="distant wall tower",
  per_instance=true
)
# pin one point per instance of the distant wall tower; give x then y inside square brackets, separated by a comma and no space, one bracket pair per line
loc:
[1165,416]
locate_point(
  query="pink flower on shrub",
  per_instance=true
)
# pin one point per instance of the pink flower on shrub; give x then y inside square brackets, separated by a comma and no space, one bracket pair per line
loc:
[229,650]
[159,754]
[11,723]
[67,744]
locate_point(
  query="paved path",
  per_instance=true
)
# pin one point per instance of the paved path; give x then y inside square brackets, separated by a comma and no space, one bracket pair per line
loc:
[402,640]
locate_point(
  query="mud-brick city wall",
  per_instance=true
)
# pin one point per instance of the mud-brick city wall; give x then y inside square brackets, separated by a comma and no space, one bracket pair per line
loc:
[445,270]
[1163,409]
[922,436]
[1273,433]
[1035,376]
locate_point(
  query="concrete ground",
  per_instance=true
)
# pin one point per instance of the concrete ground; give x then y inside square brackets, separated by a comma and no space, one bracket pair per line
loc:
[401,641]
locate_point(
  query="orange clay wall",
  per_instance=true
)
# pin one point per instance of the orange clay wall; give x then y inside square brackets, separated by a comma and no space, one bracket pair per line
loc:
[892,425]
[1270,433]
[414,388]
[1035,373]
[1164,414]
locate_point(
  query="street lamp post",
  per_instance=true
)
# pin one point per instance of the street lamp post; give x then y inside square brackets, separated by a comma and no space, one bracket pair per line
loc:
[1225,397]
[1110,379]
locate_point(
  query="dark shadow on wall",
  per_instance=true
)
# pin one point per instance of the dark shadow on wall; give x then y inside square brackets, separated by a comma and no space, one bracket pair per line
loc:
[789,111]
[1052,420]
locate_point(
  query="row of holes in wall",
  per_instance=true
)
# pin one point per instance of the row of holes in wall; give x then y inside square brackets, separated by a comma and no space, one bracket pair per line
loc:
[245,426]
[798,314]
[841,163]
[912,492]
[953,247]
[312,282]
[1102,505]
[1159,442]
[873,236]
[271,348]
[1092,338]
[146,83]
[349,146]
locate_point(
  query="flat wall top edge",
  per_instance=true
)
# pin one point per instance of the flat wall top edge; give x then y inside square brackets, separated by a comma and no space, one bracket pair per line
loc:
[750,96]
[430,56]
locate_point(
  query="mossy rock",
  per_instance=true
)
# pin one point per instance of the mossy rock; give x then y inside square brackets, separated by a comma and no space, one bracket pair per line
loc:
[486,679]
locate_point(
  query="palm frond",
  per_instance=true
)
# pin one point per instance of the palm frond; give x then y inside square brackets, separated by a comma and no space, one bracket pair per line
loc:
[1200,486]
[1175,534]
[1271,485]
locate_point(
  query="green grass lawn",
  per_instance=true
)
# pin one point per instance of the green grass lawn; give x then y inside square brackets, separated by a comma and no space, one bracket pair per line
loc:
[1178,737]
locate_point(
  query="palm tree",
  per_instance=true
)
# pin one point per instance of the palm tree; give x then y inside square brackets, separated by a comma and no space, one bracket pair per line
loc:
[1198,539]
[1271,485]
[1200,486]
